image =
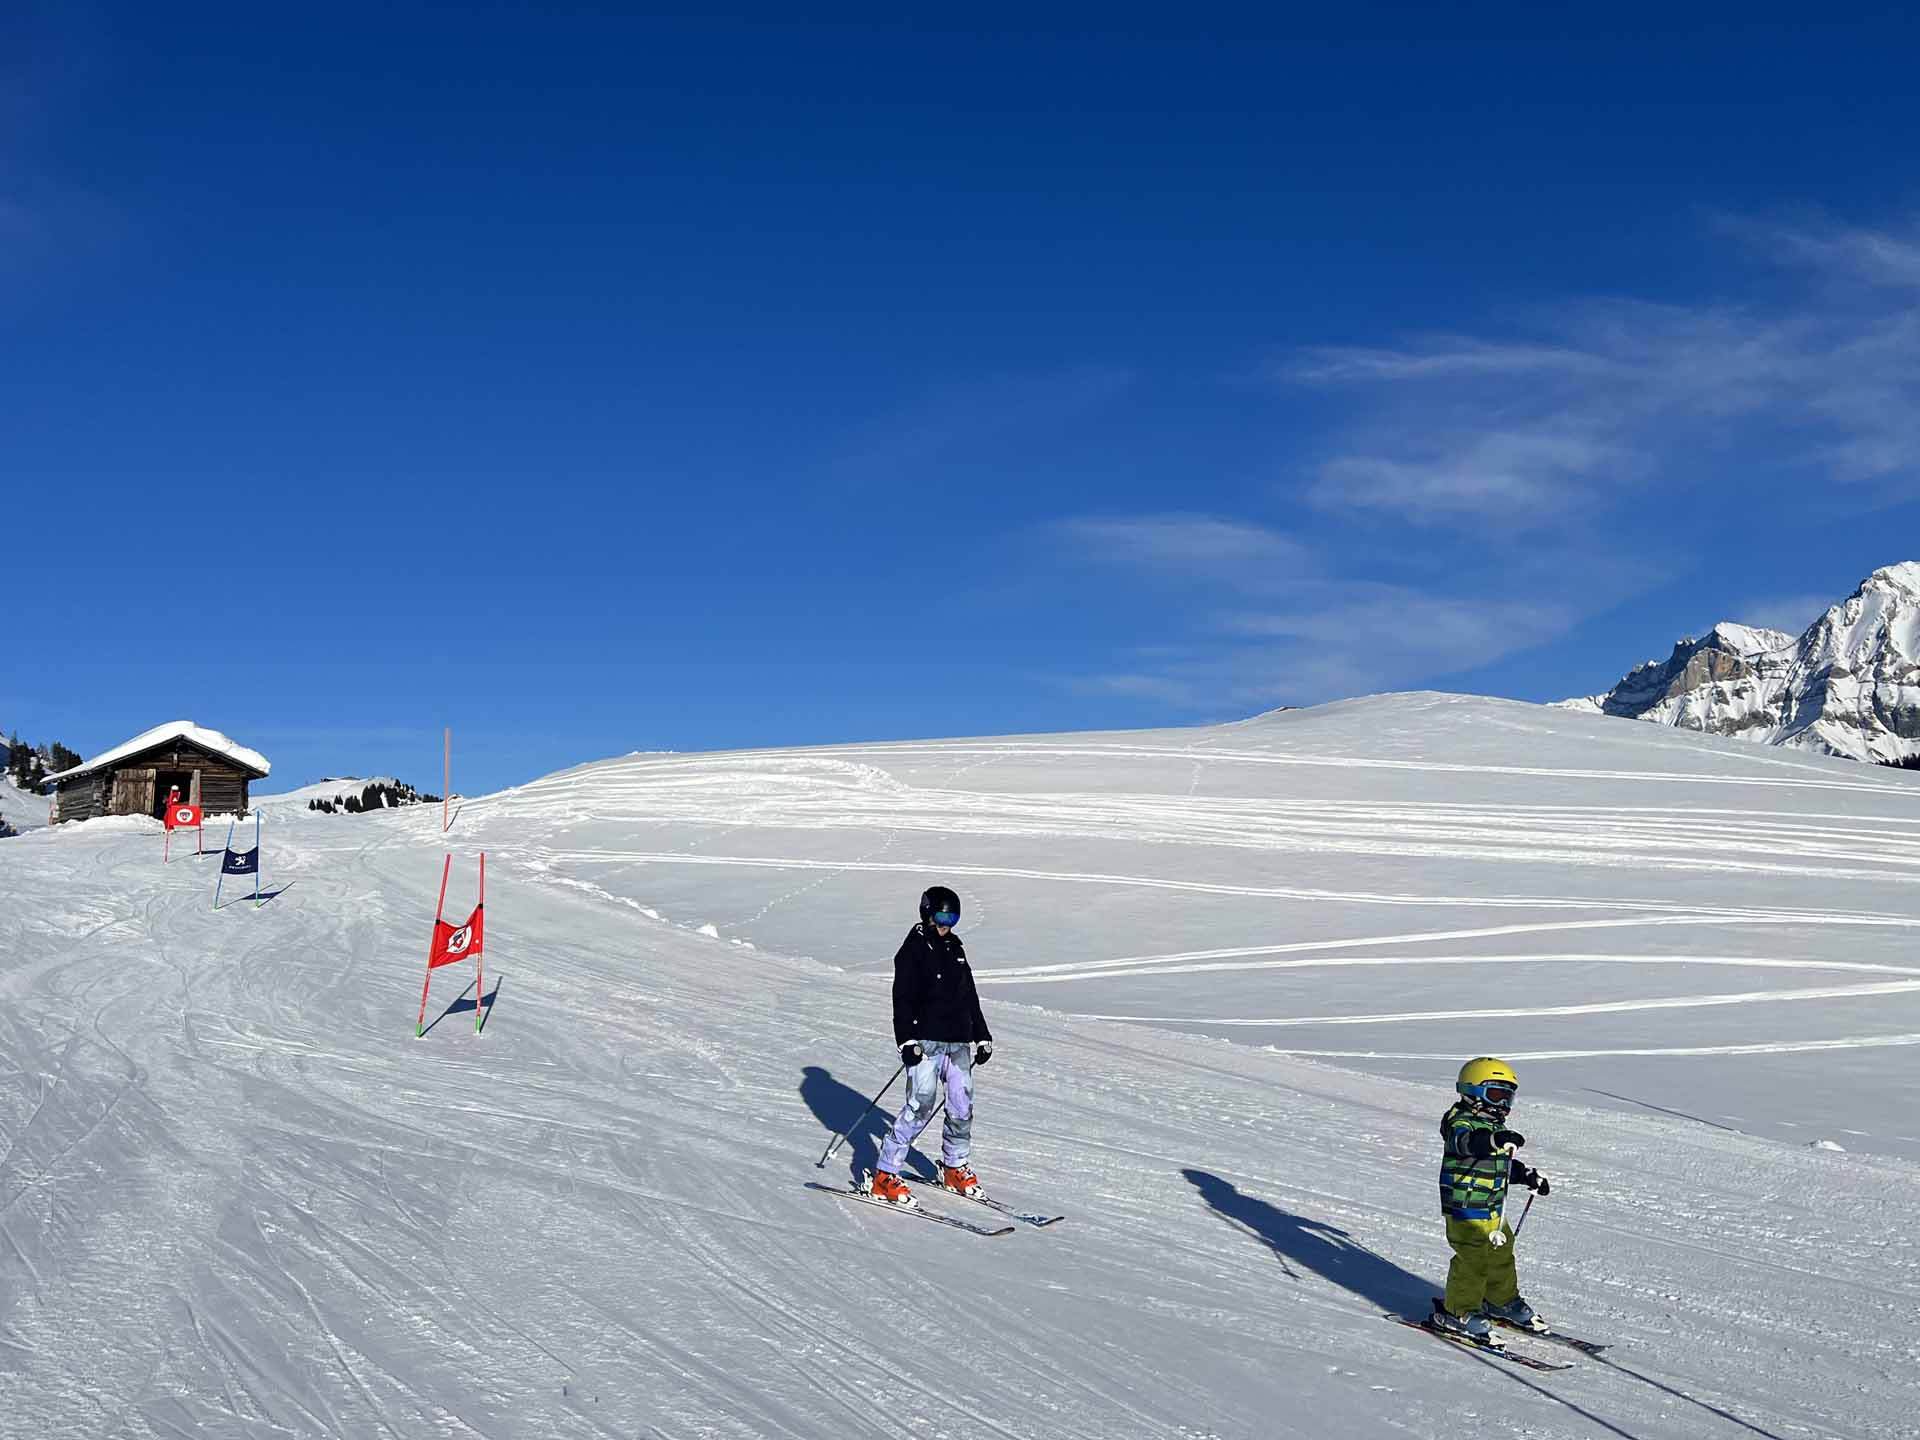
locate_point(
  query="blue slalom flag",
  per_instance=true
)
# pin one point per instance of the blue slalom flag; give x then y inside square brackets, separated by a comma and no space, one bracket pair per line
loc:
[241,862]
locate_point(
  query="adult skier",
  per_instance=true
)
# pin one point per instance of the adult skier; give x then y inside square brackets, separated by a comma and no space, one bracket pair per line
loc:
[941,1035]
[1475,1171]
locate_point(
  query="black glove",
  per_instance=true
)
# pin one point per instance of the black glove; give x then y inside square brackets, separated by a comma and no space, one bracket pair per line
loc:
[1504,1138]
[983,1052]
[911,1054]
[1527,1176]
[1538,1184]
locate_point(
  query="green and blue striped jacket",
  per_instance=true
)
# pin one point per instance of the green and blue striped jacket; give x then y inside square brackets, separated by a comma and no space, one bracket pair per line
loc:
[1470,1188]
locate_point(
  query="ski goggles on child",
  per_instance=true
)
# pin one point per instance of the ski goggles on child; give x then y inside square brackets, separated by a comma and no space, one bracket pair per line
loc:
[1499,1095]
[948,918]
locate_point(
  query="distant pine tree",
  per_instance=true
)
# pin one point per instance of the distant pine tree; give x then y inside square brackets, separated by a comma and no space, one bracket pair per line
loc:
[1912,762]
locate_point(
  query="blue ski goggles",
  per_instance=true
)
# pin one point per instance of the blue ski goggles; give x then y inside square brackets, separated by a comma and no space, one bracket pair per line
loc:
[948,918]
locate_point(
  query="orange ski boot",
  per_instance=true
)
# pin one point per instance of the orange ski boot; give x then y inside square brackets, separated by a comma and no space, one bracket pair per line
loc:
[890,1188]
[960,1179]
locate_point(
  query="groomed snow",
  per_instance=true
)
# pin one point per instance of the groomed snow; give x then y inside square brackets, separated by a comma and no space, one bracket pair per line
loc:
[21,809]
[173,730]
[239,1198]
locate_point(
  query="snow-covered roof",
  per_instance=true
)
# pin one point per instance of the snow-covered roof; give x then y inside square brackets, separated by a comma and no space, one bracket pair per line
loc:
[199,735]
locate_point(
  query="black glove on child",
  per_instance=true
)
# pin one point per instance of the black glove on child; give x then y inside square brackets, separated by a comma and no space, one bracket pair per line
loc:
[983,1052]
[1529,1177]
[911,1054]
[1504,1138]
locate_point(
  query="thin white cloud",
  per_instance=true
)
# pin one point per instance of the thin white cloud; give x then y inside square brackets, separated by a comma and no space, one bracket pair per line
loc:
[1601,397]
[1291,634]
[1200,546]
[1875,257]
[1444,357]
[1527,470]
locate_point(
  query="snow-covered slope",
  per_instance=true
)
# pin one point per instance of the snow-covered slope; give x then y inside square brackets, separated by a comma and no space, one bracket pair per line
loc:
[21,809]
[240,1198]
[1849,686]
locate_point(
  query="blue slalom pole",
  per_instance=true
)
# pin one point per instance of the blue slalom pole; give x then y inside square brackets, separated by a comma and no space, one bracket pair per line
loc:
[223,866]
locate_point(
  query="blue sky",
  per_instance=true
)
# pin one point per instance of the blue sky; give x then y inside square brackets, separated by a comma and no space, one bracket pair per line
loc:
[593,380]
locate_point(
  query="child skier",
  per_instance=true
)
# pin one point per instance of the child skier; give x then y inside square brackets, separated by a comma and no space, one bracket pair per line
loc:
[941,1034]
[1474,1173]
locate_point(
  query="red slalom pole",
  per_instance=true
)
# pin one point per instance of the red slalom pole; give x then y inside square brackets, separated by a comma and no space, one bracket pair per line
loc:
[420,1026]
[480,978]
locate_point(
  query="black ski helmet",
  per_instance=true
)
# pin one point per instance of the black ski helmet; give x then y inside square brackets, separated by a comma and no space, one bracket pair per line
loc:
[936,899]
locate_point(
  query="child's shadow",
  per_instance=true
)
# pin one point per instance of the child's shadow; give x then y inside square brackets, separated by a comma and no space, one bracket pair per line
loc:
[1329,1252]
[837,1105]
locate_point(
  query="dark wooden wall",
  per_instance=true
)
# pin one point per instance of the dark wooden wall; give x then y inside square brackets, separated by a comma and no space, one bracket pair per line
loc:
[82,797]
[223,785]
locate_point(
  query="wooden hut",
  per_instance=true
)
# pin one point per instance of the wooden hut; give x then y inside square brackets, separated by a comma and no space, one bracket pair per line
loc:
[135,778]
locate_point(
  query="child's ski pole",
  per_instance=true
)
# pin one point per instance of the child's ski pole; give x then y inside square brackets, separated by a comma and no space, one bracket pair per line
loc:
[821,1163]
[1523,1215]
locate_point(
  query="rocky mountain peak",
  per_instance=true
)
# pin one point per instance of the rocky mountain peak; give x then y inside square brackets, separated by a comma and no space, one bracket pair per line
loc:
[1849,686]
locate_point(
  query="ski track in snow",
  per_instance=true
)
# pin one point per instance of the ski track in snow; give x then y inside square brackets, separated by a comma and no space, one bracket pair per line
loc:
[237,1197]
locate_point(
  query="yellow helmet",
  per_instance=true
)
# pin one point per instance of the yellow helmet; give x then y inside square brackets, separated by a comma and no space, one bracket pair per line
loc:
[1487,1081]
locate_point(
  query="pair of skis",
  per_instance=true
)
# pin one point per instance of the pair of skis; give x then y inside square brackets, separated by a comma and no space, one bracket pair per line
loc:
[855,1192]
[1488,1347]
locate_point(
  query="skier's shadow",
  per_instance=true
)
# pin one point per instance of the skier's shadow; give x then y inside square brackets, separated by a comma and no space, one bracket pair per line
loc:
[837,1106]
[1326,1250]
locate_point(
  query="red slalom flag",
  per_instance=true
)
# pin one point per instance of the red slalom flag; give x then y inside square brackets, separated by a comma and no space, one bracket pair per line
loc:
[180,817]
[452,943]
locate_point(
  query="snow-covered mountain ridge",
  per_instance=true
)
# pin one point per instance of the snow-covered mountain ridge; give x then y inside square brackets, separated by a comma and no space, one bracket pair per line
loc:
[1849,686]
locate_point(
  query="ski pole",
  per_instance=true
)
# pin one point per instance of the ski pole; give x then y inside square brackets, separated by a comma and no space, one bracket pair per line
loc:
[821,1163]
[1523,1214]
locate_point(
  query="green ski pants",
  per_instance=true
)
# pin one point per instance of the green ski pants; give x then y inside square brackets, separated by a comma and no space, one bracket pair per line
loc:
[1480,1273]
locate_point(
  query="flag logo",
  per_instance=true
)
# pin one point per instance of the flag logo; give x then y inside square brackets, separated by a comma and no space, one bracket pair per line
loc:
[457,942]
[183,817]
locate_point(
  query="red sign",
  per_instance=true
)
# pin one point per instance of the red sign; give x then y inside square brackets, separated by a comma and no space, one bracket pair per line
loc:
[183,817]
[456,942]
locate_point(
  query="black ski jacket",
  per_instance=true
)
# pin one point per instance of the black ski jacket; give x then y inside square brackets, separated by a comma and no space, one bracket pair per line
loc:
[933,994]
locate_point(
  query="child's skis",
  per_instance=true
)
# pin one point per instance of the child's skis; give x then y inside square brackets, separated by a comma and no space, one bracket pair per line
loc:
[1483,1347]
[998,1206]
[1574,1342]
[951,1221]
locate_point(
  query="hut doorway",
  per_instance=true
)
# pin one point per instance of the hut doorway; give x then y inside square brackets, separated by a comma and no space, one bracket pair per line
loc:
[165,782]
[133,793]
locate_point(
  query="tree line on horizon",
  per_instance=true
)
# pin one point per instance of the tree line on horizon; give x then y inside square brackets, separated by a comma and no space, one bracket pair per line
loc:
[29,765]
[379,795]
